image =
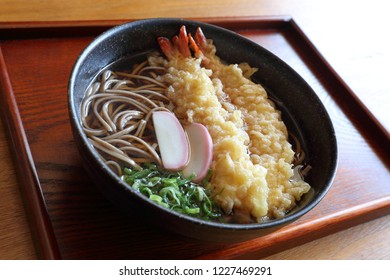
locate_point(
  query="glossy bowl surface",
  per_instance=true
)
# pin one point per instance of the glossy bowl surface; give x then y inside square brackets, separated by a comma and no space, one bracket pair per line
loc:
[303,113]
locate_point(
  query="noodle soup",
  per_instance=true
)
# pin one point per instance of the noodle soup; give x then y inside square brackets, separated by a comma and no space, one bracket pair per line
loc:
[234,215]
[255,175]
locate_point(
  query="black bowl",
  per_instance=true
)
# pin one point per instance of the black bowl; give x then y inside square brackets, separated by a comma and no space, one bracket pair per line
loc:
[304,114]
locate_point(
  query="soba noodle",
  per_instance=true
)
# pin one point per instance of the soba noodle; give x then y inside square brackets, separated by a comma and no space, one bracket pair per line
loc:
[116,112]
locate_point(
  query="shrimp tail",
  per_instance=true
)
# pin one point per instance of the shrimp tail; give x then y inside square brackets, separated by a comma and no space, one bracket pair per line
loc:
[200,39]
[194,46]
[198,44]
[166,47]
[183,43]
[179,44]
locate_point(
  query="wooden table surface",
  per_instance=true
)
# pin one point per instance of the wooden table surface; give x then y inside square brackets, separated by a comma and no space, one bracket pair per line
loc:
[351,35]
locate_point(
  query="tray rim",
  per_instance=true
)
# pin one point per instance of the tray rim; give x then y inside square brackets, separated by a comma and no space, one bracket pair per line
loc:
[31,188]
[31,191]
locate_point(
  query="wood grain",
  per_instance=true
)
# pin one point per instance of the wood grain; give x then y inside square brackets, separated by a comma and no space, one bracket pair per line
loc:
[370,241]
[16,240]
[356,48]
[78,210]
[27,177]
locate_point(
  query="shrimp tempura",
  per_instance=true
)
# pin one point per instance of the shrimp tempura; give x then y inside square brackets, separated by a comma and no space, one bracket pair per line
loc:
[237,184]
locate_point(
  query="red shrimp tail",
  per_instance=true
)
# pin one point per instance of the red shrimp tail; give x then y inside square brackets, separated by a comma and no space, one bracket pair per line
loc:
[200,39]
[194,46]
[197,51]
[166,47]
[183,42]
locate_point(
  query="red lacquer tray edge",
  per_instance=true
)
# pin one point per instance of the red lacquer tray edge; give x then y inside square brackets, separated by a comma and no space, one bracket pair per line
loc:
[42,229]
[305,232]
[30,185]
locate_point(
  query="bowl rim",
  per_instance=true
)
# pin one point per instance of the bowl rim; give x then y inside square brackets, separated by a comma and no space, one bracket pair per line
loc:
[76,123]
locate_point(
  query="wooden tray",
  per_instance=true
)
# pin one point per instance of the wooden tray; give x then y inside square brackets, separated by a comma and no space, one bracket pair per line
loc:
[72,220]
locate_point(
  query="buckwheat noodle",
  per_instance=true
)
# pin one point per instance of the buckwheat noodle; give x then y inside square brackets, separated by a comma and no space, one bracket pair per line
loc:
[116,113]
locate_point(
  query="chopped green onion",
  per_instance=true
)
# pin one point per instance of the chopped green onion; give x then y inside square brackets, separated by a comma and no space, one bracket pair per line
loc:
[173,191]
